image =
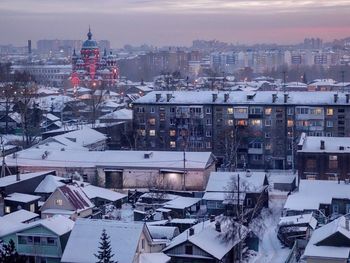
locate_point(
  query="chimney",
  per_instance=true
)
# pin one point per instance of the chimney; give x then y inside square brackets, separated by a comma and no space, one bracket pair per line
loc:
[215,96]
[218,226]
[226,96]
[18,176]
[212,218]
[335,98]
[274,97]
[168,97]
[191,231]
[347,98]
[285,98]
[322,146]
[158,96]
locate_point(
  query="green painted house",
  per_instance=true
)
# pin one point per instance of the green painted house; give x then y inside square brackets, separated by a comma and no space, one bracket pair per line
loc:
[42,240]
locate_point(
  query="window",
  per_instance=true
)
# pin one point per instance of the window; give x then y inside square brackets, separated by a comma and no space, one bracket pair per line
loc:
[152,121]
[36,240]
[32,208]
[329,111]
[172,133]
[188,250]
[172,109]
[267,135]
[229,110]
[267,122]
[172,144]
[257,157]
[255,122]
[172,121]
[240,110]
[30,240]
[22,240]
[316,111]
[268,111]
[310,163]
[290,123]
[142,132]
[290,111]
[268,146]
[208,133]
[59,202]
[347,209]
[333,162]
[302,110]
[208,145]
[208,121]
[242,123]
[208,110]
[249,202]
[152,132]
[230,122]
[142,243]
[140,109]
[329,124]
[335,208]
[51,241]
[255,110]
[7,209]
[152,110]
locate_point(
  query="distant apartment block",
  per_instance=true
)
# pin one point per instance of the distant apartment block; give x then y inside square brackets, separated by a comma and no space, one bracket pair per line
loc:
[250,129]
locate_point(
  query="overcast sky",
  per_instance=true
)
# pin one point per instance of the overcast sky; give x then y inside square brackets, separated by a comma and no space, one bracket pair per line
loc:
[174,22]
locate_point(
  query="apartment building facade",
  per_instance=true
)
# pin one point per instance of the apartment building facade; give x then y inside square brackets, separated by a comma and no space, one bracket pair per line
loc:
[257,130]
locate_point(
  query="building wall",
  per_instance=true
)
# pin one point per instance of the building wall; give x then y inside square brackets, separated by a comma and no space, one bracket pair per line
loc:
[266,134]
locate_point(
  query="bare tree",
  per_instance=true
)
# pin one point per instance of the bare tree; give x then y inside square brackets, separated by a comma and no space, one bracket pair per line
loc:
[97,93]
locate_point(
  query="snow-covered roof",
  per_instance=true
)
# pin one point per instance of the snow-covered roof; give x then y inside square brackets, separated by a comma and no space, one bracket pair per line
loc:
[19,216]
[76,196]
[298,220]
[11,179]
[314,250]
[154,258]
[208,239]
[331,144]
[240,97]
[181,202]
[84,158]
[51,117]
[312,193]
[22,198]
[123,114]
[163,232]
[57,224]
[93,191]
[49,184]
[252,181]
[84,240]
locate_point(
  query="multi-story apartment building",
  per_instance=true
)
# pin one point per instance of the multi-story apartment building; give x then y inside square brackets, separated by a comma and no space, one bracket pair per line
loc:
[247,129]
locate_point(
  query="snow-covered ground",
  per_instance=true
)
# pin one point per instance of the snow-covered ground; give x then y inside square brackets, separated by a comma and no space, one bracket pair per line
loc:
[127,214]
[270,248]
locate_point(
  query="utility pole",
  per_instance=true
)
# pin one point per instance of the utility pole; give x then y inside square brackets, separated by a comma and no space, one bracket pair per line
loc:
[4,167]
[284,80]
[184,172]
[343,79]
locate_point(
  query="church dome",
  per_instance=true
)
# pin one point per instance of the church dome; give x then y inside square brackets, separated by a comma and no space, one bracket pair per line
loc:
[89,43]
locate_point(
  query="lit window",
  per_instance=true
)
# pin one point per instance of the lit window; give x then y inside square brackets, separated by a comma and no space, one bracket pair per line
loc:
[256,122]
[333,162]
[290,123]
[230,122]
[229,110]
[329,111]
[142,132]
[59,202]
[242,123]
[172,133]
[152,132]
[32,208]
[172,144]
[268,111]
[7,209]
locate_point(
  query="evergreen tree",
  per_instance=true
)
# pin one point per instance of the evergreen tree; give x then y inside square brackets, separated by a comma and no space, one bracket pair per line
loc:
[105,251]
[8,253]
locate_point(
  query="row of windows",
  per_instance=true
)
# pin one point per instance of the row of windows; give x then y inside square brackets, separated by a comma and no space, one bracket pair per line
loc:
[37,240]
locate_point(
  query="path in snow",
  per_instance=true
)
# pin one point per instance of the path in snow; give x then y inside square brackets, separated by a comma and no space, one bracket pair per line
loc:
[270,248]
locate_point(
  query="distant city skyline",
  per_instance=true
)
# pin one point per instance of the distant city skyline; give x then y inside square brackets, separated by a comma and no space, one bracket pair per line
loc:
[174,22]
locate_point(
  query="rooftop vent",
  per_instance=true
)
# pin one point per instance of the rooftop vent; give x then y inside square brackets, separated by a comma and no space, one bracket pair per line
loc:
[158,96]
[322,146]
[215,96]
[148,155]
[248,173]
[168,97]
[335,98]
[226,97]
[274,98]
[341,148]
[191,231]
[285,98]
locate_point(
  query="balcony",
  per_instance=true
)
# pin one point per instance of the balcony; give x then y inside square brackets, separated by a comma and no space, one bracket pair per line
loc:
[255,151]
